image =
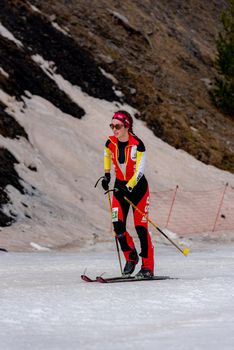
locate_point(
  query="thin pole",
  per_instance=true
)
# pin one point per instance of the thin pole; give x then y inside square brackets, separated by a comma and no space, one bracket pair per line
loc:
[184,251]
[220,206]
[116,240]
[172,204]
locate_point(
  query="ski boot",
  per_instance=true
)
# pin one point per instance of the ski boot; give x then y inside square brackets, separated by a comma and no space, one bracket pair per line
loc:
[130,264]
[144,273]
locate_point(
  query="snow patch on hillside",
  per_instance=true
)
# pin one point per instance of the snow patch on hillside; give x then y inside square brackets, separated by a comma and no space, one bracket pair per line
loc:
[6,34]
[66,210]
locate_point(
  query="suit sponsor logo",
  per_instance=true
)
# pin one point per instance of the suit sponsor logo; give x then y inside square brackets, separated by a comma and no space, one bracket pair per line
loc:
[133,152]
[139,176]
[146,211]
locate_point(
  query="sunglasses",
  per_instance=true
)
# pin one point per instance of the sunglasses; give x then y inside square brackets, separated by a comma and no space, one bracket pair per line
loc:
[116,126]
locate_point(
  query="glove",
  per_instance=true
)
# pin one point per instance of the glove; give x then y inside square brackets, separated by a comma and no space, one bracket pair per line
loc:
[121,192]
[106,181]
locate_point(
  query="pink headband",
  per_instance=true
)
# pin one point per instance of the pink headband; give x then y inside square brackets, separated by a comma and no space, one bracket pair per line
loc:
[122,118]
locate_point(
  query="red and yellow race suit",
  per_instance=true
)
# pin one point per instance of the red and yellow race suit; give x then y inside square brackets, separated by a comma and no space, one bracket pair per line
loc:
[128,159]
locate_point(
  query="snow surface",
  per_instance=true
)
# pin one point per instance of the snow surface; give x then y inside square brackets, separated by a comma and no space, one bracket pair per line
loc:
[45,304]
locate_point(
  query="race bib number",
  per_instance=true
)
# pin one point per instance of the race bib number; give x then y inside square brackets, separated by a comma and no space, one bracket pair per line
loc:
[115,212]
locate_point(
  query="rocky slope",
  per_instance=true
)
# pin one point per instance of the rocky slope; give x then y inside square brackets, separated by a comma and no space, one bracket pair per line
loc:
[162,54]
[28,36]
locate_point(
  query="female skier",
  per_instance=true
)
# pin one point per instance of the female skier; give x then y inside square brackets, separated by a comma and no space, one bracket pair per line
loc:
[127,153]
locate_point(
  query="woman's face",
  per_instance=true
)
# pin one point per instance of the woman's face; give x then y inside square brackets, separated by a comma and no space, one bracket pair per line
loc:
[118,129]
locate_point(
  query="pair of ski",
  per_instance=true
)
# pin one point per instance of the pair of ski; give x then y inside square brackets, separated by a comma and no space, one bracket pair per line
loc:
[101,279]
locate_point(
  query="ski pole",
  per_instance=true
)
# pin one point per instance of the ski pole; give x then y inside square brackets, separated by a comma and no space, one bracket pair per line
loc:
[116,240]
[184,251]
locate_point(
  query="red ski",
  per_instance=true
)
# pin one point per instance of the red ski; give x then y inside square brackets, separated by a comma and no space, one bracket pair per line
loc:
[99,278]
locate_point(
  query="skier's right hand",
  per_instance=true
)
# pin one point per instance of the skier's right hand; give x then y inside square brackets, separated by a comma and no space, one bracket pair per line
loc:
[105,181]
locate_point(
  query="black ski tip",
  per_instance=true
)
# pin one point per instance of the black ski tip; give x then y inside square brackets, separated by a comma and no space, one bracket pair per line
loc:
[160,278]
[3,250]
